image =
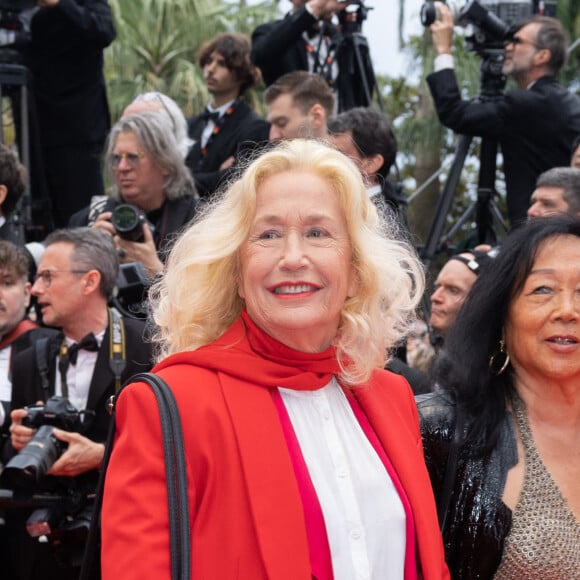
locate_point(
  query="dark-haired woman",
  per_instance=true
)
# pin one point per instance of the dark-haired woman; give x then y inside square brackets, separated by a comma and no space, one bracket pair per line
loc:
[502,440]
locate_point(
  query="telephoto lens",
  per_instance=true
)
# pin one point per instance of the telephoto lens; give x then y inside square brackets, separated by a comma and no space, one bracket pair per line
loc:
[25,470]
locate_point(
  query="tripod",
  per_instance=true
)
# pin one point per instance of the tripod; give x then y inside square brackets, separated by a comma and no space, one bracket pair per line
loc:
[486,211]
[356,80]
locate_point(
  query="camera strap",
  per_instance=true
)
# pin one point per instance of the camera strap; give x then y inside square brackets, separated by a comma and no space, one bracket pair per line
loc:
[117,350]
[41,352]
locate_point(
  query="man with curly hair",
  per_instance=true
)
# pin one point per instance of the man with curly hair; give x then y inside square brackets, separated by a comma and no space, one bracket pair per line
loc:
[227,121]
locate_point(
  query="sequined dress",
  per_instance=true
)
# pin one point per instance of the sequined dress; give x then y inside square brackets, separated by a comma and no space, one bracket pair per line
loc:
[544,540]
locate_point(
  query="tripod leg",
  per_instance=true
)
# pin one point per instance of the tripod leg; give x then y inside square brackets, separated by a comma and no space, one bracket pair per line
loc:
[486,192]
[445,200]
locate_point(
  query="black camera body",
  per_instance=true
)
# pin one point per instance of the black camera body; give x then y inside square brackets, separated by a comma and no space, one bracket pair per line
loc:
[25,470]
[128,221]
[493,20]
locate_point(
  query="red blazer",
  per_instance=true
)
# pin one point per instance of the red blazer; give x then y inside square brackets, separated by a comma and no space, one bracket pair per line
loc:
[246,514]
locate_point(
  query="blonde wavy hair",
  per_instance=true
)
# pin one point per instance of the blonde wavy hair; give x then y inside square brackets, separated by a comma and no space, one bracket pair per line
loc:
[197,298]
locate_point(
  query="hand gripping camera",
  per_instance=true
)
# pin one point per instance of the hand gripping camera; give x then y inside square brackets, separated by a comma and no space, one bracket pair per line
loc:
[25,470]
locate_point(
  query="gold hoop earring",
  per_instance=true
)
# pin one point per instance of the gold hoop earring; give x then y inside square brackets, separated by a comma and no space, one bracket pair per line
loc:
[496,367]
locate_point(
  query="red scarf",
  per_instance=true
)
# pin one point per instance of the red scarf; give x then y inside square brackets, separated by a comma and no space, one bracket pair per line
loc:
[246,352]
[22,327]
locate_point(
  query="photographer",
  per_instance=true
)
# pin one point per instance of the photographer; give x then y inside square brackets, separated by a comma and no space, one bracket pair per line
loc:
[76,276]
[148,172]
[303,40]
[535,123]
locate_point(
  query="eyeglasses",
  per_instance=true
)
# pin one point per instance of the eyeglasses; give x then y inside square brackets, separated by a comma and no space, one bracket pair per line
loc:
[47,275]
[132,159]
[515,40]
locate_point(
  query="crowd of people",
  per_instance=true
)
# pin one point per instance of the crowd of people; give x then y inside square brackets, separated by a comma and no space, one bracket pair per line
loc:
[340,420]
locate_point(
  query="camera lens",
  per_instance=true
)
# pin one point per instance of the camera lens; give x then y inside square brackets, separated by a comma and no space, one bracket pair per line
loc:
[26,469]
[128,221]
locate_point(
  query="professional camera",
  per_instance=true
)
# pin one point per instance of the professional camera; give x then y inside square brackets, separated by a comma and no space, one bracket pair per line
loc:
[493,20]
[14,26]
[25,470]
[352,17]
[128,221]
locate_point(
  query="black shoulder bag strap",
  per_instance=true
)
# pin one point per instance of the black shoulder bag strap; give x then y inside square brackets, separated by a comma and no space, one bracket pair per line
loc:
[41,352]
[176,475]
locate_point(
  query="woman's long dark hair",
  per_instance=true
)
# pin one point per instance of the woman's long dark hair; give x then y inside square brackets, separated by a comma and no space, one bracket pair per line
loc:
[463,367]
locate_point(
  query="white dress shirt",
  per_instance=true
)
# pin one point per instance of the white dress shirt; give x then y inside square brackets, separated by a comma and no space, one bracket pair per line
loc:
[79,376]
[363,514]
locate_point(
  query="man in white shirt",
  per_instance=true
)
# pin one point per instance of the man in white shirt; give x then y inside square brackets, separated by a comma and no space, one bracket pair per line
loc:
[228,122]
[76,276]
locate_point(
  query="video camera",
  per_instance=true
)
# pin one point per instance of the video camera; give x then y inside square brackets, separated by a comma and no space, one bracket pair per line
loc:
[351,19]
[14,26]
[493,20]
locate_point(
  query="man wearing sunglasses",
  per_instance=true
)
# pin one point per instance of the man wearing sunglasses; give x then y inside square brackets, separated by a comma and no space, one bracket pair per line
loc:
[535,123]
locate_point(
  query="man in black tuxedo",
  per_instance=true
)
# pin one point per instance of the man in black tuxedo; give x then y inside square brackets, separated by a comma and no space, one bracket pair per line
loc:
[65,58]
[535,123]
[310,39]
[228,122]
[76,276]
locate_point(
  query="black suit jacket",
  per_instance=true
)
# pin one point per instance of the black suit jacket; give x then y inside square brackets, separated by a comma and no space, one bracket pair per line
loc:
[27,385]
[535,127]
[23,556]
[244,126]
[278,47]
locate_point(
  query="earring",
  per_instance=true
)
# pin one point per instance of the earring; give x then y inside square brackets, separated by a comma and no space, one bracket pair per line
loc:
[496,367]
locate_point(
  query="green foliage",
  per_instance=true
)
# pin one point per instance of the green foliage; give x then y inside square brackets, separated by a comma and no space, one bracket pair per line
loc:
[569,16]
[157,42]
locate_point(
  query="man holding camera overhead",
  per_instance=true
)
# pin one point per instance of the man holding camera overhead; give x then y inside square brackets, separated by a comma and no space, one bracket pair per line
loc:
[303,40]
[95,352]
[535,123]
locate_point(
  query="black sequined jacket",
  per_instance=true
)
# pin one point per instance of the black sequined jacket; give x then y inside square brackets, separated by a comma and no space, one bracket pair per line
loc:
[477,521]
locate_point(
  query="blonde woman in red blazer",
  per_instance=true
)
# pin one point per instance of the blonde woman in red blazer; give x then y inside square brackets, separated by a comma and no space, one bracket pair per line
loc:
[304,457]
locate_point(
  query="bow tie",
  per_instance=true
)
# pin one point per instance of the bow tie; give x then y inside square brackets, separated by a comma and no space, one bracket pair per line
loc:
[89,342]
[208,115]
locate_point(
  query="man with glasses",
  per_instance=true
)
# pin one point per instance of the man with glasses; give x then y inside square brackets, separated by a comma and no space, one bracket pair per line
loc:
[76,276]
[148,172]
[535,123]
